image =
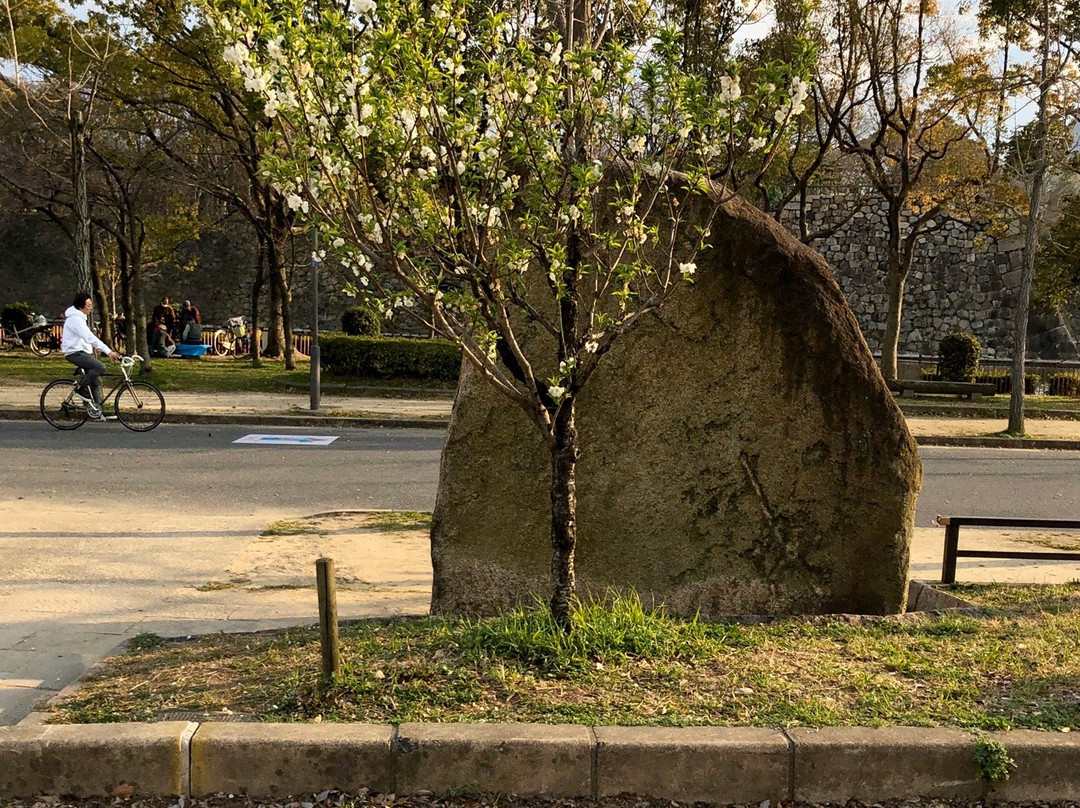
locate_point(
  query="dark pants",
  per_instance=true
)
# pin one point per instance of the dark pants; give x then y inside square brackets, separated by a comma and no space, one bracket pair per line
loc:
[94,368]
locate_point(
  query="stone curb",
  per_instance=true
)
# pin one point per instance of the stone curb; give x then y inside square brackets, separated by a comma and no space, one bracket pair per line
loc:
[710,764]
[255,419]
[998,443]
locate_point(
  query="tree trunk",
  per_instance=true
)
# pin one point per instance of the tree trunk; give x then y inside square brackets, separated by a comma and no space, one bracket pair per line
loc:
[897,278]
[101,301]
[274,335]
[138,310]
[76,129]
[1031,235]
[564,456]
[128,306]
[256,292]
[281,280]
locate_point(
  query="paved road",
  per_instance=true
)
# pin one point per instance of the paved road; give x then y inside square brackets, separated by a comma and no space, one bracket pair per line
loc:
[998,482]
[167,468]
[398,468]
[104,533]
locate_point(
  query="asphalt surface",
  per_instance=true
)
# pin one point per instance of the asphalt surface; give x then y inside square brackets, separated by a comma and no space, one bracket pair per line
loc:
[199,469]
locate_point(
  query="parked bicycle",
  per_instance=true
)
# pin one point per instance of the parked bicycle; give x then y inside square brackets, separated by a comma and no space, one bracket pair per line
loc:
[38,337]
[233,339]
[137,405]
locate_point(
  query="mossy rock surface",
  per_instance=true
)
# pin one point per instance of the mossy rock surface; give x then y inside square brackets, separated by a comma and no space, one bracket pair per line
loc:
[740,455]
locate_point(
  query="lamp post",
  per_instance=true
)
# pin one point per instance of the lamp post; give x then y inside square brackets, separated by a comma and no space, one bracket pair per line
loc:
[315,370]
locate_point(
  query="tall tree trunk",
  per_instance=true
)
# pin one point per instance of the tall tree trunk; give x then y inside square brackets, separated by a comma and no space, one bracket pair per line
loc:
[138,306]
[275,337]
[126,302]
[256,293]
[896,279]
[76,130]
[564,456]
[280,279]
[1031,235]
[101,297]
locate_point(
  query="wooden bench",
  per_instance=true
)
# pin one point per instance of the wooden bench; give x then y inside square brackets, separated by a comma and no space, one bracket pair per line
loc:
[973,390]
[953,524]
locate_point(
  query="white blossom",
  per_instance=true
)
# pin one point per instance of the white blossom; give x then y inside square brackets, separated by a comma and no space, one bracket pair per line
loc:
[556,392]
[687,269]
[361,7]
[729,89]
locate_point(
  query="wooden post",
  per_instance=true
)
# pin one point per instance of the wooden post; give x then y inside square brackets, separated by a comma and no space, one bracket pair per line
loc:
[948,564]
[328,622]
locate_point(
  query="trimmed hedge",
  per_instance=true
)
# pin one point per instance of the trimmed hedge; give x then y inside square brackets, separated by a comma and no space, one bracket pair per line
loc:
[360,321]
[959,356]
[390,357]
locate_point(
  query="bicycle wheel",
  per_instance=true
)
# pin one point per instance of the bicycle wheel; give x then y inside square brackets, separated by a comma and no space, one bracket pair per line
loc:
[59,405]
[220,346]
[40,343]
[139,406]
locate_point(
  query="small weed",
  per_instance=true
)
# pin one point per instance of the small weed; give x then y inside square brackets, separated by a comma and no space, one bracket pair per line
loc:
[993,760]
[146,641]
[399,520]
[289,527]
[215,586]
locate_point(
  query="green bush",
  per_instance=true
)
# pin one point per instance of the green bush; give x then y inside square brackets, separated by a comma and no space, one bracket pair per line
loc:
[1063,384]
[17,316]
[360,321]
[391,357]
[959,357]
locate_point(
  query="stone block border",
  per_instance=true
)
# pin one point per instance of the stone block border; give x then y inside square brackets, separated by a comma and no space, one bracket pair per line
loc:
[709,764]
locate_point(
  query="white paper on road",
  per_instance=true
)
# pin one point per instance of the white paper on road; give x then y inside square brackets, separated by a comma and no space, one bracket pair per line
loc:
[288,440]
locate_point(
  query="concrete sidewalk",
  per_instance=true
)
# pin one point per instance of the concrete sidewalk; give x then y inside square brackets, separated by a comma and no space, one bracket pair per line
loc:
[19,401]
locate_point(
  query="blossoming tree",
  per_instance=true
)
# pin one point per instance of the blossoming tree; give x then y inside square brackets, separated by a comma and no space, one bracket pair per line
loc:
[497,173]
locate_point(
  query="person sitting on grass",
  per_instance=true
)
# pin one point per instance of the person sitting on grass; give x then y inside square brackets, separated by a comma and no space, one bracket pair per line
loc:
[162,345]
[190,324]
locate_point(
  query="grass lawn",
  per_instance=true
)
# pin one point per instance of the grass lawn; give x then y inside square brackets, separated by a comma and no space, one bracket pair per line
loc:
[213,374]
[1059,407]
[1018,665]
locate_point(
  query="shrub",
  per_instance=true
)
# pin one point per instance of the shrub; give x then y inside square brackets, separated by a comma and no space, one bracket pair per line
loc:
[959,357]
[360,321]
[17,316]
[1063,384]
[391,357]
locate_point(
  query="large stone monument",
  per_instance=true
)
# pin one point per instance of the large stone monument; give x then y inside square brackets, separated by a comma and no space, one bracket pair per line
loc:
[740,455]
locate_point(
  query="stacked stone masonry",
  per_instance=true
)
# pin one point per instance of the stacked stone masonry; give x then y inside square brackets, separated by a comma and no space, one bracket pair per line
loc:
[961,278]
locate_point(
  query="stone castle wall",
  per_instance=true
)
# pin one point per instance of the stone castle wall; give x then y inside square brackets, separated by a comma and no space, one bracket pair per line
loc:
[961,280]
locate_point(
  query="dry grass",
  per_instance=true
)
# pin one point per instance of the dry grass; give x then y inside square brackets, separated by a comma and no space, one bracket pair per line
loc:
[1016,666]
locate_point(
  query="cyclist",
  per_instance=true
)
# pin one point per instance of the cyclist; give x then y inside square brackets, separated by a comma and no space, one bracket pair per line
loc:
[78,344]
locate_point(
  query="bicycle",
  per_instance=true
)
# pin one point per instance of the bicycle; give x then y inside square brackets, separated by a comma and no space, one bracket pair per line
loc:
[37,336]
[139,406]
[233,339]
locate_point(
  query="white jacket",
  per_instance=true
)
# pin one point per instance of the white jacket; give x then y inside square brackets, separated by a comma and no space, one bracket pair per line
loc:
[78,336]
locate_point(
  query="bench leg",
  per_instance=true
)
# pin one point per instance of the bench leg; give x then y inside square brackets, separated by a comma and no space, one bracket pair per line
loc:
[948,564]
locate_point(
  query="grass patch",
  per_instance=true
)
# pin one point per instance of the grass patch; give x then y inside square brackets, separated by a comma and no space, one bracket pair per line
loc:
[1018,666]
[399,520]
[217,375]
[1059,407]
[289,527]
